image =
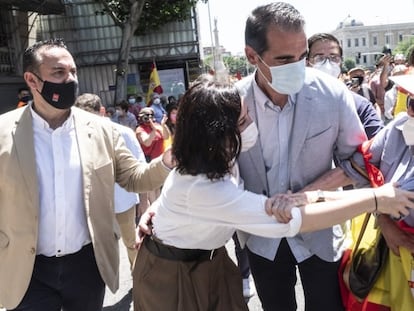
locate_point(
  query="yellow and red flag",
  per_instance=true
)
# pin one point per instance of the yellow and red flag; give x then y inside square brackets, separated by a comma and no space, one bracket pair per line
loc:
[154,85]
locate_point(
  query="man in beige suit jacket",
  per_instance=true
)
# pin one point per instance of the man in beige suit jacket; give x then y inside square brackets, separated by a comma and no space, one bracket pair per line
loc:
[38,269]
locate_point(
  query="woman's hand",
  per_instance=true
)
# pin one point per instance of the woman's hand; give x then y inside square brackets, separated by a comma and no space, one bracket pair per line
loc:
[144,227]
[393,201]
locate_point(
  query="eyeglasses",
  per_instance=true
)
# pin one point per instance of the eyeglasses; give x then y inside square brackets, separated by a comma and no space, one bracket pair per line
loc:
[150,115]
[322,58]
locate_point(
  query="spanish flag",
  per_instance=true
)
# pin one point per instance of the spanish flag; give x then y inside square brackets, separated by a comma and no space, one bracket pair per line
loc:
[154,85]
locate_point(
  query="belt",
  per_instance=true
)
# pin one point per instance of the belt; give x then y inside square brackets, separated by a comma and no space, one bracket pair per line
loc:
[157,248]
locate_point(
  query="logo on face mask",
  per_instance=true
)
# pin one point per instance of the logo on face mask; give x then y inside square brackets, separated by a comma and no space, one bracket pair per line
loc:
[59,95]
[328,67]
[287,79]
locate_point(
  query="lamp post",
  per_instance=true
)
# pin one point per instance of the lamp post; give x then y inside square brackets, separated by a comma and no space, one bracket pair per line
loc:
[213,49]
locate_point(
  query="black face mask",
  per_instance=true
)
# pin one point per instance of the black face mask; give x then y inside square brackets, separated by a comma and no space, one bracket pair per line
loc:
[26,98]
[59,95]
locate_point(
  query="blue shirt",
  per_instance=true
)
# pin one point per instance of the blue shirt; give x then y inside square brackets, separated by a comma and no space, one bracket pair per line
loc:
[159,111]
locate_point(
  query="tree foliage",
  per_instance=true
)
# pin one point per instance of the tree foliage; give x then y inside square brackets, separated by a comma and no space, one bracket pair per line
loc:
[404,46]
[238,64]
[349,63]
[136,17]
[155,13]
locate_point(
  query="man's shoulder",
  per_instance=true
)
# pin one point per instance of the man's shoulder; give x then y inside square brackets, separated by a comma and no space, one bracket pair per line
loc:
[321,85]
[12,115]
[360,100]
[85,118]
[244,84]
[123,129]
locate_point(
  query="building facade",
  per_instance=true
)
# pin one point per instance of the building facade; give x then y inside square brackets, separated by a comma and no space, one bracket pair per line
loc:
[366,43]
[94,40]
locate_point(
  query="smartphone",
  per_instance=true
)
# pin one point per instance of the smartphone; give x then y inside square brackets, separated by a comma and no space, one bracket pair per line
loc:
[355,81]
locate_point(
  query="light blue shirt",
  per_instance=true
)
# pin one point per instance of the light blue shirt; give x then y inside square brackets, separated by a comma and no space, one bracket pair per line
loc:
[159,112]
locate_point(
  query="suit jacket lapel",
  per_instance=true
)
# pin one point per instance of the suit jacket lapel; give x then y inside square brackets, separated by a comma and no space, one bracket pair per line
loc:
[84,136]
[301,121]
[24,142]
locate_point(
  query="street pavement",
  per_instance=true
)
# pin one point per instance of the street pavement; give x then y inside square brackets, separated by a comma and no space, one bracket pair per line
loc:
[122,299]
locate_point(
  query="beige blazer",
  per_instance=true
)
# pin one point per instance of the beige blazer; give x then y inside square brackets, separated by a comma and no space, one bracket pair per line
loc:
[104,160]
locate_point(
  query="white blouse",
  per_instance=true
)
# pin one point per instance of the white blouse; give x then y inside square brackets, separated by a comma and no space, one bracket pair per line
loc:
[197,213]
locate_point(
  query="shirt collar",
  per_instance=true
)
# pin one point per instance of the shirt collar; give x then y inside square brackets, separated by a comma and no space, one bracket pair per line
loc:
[40,123]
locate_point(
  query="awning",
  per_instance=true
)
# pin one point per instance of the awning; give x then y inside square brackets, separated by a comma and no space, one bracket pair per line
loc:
[39,6]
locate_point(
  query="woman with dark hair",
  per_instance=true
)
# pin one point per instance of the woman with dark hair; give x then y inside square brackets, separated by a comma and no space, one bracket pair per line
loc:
[172,110]
[184,265]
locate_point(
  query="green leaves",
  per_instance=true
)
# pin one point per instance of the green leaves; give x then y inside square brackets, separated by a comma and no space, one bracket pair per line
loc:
[155,13]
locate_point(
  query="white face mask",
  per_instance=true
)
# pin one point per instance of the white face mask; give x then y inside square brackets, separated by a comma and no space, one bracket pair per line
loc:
[286,79]
[408,131]
[328,67]
[249,137]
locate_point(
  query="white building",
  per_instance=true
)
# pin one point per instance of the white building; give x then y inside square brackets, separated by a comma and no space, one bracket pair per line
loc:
[365,43]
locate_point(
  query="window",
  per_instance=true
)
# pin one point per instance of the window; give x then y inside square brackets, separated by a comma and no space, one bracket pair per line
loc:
[364,59]
[364,41]
[356,42]
[387,39]
[374,40]
[349,43]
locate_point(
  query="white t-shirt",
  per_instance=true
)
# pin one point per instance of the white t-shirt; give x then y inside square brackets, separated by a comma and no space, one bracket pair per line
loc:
[197,213]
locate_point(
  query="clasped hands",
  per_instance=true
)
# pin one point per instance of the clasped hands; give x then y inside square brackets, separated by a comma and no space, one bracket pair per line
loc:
[280,205]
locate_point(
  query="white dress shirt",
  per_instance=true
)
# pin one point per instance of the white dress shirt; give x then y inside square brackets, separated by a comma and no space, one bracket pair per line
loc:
[62,221]
[197,213]
[124,200]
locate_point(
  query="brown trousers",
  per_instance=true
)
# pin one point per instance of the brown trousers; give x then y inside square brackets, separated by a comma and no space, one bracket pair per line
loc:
[169,285]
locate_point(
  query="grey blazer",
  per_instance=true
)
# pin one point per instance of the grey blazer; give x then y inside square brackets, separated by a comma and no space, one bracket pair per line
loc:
[325,125]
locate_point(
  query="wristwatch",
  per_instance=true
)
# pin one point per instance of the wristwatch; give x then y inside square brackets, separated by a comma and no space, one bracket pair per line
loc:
[321,196]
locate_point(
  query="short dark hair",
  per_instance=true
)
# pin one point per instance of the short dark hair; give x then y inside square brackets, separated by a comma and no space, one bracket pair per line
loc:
[123,104]
[280,14]
[207,137]
[31,60]
[323,36]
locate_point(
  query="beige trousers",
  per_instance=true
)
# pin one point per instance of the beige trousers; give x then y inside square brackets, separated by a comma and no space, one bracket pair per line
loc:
[126,222]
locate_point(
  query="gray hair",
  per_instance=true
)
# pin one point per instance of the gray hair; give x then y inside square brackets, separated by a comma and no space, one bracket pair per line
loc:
[280,14]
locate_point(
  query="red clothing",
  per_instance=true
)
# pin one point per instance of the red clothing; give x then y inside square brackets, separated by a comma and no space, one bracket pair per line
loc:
[157,146]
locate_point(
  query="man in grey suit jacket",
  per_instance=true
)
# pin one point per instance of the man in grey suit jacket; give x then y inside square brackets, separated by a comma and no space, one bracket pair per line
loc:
[58,233]
[304,121]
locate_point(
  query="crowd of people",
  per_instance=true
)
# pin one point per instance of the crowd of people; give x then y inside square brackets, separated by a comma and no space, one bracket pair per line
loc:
[259,161]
